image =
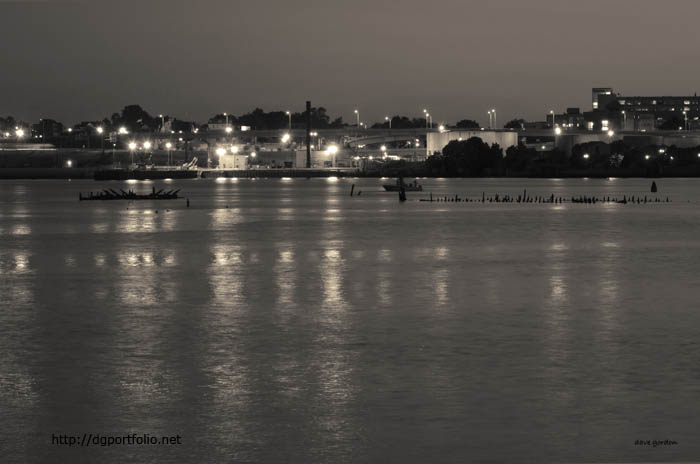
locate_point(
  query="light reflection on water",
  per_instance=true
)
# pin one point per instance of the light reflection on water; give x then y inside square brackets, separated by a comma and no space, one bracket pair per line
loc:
[305,325]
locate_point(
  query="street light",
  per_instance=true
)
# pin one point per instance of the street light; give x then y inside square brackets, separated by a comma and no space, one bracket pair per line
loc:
[611,133]
[495,123]
[169,145]
[427,116]
[387,118]
[19,133]
[552,113]
[289,113]
[332,150]
[234,149]
[220,151]
[147,145]
[132,147]
[357,114]
[285,138]
[100,130]
[122,130]
[490,119]
[557,130]
[441,128]
[162,122]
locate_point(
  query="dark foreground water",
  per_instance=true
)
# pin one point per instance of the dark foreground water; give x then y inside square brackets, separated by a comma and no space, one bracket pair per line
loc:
[283,321]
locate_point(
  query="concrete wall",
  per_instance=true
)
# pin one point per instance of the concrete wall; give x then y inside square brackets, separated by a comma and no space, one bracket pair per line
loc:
[438,140]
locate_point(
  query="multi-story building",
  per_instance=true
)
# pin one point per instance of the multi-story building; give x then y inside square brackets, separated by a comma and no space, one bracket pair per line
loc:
[641,113]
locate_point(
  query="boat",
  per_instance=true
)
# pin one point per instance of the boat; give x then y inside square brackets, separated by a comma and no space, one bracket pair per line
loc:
[410,187]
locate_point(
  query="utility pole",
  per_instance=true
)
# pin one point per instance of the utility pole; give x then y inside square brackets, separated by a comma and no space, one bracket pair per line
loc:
[308,134]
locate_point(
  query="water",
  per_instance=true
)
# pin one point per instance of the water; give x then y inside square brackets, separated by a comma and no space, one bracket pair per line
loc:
[284,321]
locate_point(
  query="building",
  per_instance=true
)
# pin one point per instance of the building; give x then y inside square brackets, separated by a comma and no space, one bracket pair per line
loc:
[573,118]
[642,113]
[597,93]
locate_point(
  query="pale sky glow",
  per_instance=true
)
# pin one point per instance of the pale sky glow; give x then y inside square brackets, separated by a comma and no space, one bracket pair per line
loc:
[84,60]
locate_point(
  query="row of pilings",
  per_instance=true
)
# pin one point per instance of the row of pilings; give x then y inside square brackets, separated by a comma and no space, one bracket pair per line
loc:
[497,198]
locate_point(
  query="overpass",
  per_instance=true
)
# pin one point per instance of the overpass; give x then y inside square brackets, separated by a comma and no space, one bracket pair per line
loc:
[433,140]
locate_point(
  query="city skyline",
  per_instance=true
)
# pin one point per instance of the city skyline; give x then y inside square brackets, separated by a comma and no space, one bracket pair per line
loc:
[457,59]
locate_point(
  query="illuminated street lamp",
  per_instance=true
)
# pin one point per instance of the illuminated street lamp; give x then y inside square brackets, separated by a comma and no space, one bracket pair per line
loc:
[441,128]
[253,154]
[162,122]
[552,113]
[357,114]
[169,145]
[220,151]
[100,130]
[490,119]
[427,118]
[495,123]
[234,149]
[69,163]
[611,133]
[585,156]
[122,130]
[229,129]
[332,150]
[285,138]
[147,145]
[289,113]
[19,133]
[387,118]
[132,147]
[557,130]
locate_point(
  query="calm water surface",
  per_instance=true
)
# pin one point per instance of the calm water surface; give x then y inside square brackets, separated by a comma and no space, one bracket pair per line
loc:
[284,321]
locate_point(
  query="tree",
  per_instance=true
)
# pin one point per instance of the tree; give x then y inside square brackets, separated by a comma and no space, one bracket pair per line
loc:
[672,123]
[467,124]
[519,159]
[462,158]
[515,124]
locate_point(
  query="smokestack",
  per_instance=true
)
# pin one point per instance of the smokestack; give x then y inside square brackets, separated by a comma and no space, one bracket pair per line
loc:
[308,134]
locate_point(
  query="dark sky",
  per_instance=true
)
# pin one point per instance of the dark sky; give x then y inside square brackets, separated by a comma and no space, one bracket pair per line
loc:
[84,60]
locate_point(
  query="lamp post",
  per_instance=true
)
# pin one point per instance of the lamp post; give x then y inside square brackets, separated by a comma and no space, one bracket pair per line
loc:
[162,122]
[169,145]
[552,113]
[387,118]
[289,114]
[332,150]
[490,119]
[357,114]
[427,118]
[100,130]
[495,122]
[132,147]
[624,120]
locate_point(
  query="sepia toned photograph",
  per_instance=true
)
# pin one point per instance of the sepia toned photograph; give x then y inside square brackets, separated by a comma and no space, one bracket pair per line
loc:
[305,231]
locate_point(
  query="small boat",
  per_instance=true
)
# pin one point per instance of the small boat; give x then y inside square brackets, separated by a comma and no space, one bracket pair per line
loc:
[410,187]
